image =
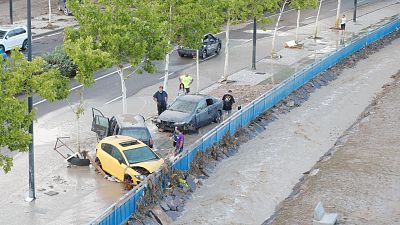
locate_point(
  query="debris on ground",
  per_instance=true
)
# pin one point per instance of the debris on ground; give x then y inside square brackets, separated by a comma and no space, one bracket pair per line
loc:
[179,185]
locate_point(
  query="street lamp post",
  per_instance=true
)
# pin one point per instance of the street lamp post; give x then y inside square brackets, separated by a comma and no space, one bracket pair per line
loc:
[31,196]
[253,61]
[11,12]
[355,11]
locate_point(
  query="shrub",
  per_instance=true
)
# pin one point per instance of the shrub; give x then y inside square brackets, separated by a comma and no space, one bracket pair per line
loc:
[58,59]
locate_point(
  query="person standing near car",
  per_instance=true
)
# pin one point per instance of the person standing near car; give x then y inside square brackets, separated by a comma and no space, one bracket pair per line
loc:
[180,139]
[161,98]
[181,90]
[228,101]
[343,23]
[186,80]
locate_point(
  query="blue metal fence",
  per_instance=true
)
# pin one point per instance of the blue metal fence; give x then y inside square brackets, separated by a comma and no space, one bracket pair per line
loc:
[121,211]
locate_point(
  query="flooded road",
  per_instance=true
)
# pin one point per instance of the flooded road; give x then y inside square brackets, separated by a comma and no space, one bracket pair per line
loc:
[246,188]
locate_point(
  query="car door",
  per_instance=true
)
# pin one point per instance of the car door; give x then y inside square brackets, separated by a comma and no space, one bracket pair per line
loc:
[213,43]
[100,124]
[10,40]
[105,158]
[201,113]
[118,163]
[20,36]
[210,110]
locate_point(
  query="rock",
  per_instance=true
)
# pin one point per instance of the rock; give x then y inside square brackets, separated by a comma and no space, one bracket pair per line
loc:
[149,221]
[180,208]
[171,204]
[134,222]
[172,214]
[177,193]
[185,189]
[191,182]
[51,193]
[164,206]
[290,103]
[161,216]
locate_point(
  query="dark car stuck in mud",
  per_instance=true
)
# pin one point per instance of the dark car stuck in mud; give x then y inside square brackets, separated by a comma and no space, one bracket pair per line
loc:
[211,45]
[190,112]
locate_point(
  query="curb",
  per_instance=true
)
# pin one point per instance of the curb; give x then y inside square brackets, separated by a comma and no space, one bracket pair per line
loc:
[61,29]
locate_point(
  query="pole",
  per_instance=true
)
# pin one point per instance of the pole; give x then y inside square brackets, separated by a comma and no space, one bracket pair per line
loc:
[49,11]
[197,71]
[253,61]
[337,22]
[31,196]
[355,11]
[11,12]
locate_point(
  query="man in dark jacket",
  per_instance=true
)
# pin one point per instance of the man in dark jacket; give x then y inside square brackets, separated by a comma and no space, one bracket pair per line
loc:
[161,98]
[228,101]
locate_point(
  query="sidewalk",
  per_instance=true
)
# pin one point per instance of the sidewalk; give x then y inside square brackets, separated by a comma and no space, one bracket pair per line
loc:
[40,21]
[82,194]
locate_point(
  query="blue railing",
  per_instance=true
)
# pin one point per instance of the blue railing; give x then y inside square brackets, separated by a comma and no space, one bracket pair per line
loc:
[122,210]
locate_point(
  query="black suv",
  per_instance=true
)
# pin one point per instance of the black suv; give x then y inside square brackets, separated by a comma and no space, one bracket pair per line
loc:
[126,124]
[211,45]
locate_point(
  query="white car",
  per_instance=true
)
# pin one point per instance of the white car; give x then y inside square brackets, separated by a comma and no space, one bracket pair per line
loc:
[13,37]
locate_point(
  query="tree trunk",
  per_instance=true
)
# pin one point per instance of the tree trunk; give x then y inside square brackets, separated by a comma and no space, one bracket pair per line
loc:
[316,20]
[166,75]
[197,72]
[298,25]
[49,11]
[273,52]
[225,77]
[338,14]
[123,88]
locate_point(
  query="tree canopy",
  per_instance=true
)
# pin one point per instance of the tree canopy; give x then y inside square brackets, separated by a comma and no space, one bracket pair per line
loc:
[20,79]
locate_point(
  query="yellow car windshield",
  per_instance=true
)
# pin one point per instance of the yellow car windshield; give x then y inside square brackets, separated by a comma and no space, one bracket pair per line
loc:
[142,154]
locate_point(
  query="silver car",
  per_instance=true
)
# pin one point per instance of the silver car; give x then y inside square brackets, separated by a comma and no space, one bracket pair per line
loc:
[190,112]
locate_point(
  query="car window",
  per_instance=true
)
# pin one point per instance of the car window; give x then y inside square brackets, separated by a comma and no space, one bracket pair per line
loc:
[183,106]
[2,34]
[209,101]
[107,148]
[102,121]
[202,105]
[20,31]
[136,132]
[141,154]
[11,34]
[116,154]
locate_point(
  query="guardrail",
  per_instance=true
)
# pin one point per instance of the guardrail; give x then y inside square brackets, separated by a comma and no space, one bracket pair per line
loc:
[121,211]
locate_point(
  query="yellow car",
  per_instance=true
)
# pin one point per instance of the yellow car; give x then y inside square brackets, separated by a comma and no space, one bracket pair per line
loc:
[127,159]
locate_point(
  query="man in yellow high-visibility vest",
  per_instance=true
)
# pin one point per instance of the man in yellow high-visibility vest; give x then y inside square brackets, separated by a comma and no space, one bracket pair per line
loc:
[186,80]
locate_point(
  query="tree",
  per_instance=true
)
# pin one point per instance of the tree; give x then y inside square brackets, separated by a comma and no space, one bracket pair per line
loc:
[188,22]
[300,5]
[19,76]
[115,33]
[337,22]
[316,19]
[237,11]
[273,52]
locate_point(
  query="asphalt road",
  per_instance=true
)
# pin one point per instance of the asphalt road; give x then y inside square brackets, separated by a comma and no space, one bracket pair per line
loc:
[107,79]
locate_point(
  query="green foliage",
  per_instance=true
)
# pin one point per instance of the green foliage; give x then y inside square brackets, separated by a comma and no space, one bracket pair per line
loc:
[303,4]
[21,76]
[238,11]
[58,59]
[115,32]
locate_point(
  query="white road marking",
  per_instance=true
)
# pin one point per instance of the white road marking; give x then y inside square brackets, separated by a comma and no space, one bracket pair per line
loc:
[53,34]
[333,10]
[280,27]
[310,17]
[168,75]
[37,103]
[113,100]
[79,86]
[38,38]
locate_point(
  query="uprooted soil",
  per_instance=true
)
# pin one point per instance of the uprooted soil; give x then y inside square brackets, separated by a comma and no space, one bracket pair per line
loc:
[359,177]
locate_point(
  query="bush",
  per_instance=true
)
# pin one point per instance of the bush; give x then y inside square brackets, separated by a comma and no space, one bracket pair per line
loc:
[58,59]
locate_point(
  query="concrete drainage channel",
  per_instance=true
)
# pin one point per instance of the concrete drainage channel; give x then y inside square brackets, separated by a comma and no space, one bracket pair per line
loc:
[161,199]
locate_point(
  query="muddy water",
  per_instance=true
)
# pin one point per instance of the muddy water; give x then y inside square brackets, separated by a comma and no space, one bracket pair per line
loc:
[246,188]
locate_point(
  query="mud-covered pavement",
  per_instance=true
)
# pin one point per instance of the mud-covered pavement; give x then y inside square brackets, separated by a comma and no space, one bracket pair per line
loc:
[246,188]
[359,179]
